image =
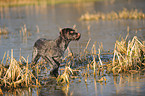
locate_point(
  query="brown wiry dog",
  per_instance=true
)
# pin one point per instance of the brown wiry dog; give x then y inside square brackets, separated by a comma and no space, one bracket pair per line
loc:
[53,50]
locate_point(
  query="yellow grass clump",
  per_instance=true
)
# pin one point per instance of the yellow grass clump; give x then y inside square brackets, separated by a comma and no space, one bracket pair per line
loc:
[15,76]
[128,55]
[124,14]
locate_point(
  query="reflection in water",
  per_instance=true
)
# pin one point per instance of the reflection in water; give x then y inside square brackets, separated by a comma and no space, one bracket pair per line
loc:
[51,92]
[124,84]
[95,84]
[128,84]
[19,92]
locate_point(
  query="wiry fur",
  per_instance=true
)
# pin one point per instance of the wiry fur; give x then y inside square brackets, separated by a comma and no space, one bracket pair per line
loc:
[53,50]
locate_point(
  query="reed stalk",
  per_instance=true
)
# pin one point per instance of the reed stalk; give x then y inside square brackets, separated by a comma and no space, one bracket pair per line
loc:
[94,60]
[87,45]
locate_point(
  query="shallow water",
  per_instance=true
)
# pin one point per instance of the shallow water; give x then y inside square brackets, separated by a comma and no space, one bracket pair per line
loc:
[124,84]
[50,18]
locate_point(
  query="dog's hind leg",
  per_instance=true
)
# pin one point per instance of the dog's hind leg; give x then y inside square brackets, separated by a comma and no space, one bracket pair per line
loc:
[35,56]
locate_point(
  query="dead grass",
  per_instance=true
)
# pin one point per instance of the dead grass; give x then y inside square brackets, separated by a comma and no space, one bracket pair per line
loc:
[14,75]
[128,55]
[124,14]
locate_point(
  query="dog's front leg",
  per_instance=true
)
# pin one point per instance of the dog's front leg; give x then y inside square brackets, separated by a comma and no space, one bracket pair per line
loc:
[54,65]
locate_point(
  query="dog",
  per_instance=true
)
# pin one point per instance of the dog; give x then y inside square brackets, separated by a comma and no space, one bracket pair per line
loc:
[52,50]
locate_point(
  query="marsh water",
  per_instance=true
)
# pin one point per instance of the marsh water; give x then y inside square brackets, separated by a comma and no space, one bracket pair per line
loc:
[45,21]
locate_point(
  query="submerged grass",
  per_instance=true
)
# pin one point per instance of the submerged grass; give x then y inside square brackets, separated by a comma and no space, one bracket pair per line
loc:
[3,31]
[124,14]
[24,33]
[64,78]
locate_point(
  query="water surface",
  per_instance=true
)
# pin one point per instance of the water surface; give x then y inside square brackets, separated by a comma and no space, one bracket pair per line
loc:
[50,18]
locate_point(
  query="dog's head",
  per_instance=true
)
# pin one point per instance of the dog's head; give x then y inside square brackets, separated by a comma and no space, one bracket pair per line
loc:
[69,34]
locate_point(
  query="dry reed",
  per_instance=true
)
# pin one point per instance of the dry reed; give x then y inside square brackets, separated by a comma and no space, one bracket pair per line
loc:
[124,14]
[128,55]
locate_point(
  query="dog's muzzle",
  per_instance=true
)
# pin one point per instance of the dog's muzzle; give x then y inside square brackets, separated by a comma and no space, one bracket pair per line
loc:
[78,36]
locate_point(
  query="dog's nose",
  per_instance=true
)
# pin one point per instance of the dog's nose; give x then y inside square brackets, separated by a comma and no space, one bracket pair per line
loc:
[79,34]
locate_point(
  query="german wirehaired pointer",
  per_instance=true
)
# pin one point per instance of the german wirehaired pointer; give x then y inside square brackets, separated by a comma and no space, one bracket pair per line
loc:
[52,50]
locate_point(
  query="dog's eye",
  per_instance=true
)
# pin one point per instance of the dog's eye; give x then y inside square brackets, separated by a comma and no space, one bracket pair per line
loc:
[71,32]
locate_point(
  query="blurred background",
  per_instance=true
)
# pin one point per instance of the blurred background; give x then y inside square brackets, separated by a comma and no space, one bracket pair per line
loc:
[24,21]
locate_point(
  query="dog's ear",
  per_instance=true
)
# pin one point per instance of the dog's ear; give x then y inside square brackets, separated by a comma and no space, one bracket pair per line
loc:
[60,29]
[74,26]
[62,33]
